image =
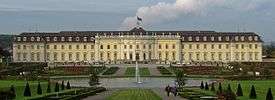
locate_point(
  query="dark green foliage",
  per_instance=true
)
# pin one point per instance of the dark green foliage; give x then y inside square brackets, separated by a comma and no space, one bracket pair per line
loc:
[62,85]
[220,88]
[111,71]
[49,88]
[252,94]
[213,87]
[68,85]
[27,91]
[239,90]
[206,86]
[12,90]
[56,88]
[180,78]
[202,85]
[229,88]
[39,89]
[94,79]
[269,95]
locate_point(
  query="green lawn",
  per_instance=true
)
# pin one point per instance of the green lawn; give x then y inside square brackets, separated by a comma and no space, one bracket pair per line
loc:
[261,87]
[20,86]
[134,94]
[130,71]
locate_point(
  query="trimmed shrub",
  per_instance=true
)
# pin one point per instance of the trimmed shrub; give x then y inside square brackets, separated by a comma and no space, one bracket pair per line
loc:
[27,91]
[56,88]
[220,88]
[239,90]
[206,86]
[12,90]
[62,85]
[213,87]
[68,85]
[49,88]
[202,85]
[39,89]
[252,94]
[229,88]
[269,95]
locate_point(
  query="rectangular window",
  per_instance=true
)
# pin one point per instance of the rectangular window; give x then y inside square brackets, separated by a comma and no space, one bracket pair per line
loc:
[256,46]
[85,56]
[77,56]
[115,46]
[125,56]
[198,46]
[24,47]
[159,46]
[237,46]
[242,46]
[70,56]
[38,56]
[205,46]
[48,56]
[131,47]
[227,55]
[256,55]
[227,46]
[220,46]
[250,56]
[250,46]
[205,56]
[190,56]
[190,46]
[18,56]
[220,56]
[62,47]
[213,46]
[70,47]
[84,46]
[63,56]
[92,47]
[212,56]
[242,55]
[55,46]
[198,56]
[92,56]
[108,46]
[173,46]
[125,46]
[18,46]
[77,46]
[137,46]
[55,56]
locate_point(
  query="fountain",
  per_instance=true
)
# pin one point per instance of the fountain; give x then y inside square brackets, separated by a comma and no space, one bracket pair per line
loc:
[137,74]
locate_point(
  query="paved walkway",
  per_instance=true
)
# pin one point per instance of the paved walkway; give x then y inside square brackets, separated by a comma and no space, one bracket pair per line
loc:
[161,92]
[120,72]
[102,95]
[154,72]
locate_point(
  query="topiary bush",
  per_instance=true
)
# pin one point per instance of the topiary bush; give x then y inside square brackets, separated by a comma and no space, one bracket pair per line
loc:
[27,91]
[49,87]
[39,89]
[269,95]
[68,86]
[206,86]
[13,93]
[239,90]
[252,94]
[202,85]
[62,85]
[56,88]
[213,87]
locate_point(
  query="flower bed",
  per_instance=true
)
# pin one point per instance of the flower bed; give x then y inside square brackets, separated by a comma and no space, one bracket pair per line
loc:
[164,71]
[110,71]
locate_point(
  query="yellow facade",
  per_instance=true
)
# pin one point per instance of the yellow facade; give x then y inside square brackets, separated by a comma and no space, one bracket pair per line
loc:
[123,48]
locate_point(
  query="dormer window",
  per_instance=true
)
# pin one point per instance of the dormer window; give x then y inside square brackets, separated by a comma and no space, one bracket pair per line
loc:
[32,38]
[197,38]
[85,39]
[92,38]
[212,38]
[55,39]
[48,38]
[242,38]
[227,38]
[236,38]
[70,38]
[189,38]
[62,39]
[37,38]
[220,38]
[256,38]
[24,38]
[250,38]
[18,38]
[204,38]
[77,38]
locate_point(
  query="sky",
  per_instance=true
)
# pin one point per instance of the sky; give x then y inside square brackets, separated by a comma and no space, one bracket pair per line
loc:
[258,16]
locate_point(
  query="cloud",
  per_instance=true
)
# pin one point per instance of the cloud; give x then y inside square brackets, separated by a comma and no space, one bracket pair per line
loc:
[163,12]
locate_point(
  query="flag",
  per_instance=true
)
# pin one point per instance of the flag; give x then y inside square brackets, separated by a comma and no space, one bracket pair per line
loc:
[139,19]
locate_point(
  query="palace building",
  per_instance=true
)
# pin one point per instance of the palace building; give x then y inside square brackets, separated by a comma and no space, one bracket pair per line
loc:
[137,44]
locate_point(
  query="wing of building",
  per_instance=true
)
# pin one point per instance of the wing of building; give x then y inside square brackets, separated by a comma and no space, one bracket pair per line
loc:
[137,44]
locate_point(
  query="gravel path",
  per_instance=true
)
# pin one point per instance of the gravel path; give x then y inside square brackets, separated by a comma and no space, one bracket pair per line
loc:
[120,72]
[154,71]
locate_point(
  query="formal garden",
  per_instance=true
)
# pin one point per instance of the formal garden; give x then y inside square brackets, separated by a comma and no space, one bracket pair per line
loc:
[134,94]
[143,71]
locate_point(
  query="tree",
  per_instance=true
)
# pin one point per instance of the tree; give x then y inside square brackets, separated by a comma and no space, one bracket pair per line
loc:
[94,79]
[213,87]
[252,94]
[68,85]
[220,88]
[269,95]
[239,90]
[62,85]
[56,88]
[180,78]
[12,90]
[202,85]
[229,88]
[206,86]
[39,89]
[49,87]
[229,95]
[27,91]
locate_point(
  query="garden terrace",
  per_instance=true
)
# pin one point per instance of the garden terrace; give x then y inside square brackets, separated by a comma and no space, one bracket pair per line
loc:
[130,71]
